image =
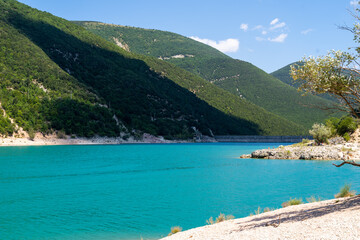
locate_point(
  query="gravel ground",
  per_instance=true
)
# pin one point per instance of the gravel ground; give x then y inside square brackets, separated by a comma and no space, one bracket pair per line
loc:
[330,219]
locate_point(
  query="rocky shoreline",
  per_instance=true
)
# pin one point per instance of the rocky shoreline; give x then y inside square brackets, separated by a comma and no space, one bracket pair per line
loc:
[347,151]
[336,149]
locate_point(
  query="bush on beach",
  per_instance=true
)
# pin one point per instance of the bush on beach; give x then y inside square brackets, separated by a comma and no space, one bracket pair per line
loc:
[345,191]
[174,230]
[291,202]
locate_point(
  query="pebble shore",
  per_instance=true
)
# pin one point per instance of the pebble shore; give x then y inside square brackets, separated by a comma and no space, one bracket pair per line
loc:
[335,219]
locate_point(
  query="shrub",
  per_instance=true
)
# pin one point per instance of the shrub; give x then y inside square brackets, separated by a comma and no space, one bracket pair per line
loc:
[210,221]
[31,133]
[61,134]
[342,127]
[346,125]
[221,218]
[258,211]
[345,192]
[174,230]
[332,124]
[291,202]
[346,136]
[320,133]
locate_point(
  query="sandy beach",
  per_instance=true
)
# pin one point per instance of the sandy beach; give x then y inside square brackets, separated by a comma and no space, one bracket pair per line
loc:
[330,219]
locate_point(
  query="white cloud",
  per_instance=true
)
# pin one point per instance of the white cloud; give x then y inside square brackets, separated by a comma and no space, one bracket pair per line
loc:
[276,20]
[354,3]
[228,45]
[264,32]
[244,26]
[259,39]
[258,27]
[304,32]
[279,39]
[279,25]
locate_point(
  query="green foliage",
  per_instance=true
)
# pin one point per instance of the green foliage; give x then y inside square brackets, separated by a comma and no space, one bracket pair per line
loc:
[283,74]
[6,127]
[345,191]
[346,125]
[55,75]
[320,133]
[237,77]
[346,137]
[342,126]
[61,134]
[174,230]
[31,133]
[291,202]
[335,74]
[332,123]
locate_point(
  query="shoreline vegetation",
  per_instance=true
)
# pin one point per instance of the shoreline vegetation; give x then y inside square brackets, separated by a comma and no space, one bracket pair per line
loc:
[336,148]
[337,139]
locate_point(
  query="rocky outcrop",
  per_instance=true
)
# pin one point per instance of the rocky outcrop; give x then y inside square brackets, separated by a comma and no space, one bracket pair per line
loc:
[346,151]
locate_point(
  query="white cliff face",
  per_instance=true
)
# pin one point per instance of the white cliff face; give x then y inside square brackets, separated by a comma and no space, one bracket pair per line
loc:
[177,56]
[121,44]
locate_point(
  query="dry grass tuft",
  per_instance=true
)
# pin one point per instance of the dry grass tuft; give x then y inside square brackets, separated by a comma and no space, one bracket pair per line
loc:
[174,230]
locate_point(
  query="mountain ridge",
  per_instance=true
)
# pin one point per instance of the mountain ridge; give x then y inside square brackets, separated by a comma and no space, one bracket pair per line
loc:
[235,76]
[90,82]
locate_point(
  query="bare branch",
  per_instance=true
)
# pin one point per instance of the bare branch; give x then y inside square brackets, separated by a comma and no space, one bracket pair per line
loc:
[347,162]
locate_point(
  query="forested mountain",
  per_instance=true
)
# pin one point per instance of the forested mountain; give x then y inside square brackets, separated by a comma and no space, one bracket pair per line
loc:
[237,77]
[55,75]
[283,74]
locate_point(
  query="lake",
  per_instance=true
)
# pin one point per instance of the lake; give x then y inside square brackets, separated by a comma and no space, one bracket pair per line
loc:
[142,190]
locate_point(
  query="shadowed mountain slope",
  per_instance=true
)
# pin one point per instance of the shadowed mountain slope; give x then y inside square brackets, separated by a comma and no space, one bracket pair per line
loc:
[237,77]
[56,75]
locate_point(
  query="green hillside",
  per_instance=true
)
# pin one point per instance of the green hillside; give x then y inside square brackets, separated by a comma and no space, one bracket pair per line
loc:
[55,75]
[237,77]
[283,74]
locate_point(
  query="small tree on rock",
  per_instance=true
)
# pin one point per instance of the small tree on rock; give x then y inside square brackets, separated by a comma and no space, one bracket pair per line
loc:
[320,133]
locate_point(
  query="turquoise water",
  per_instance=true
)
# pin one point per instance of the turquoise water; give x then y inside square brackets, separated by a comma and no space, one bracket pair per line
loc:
[134,191]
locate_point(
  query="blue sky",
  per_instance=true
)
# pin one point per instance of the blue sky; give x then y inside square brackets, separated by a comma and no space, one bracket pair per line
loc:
[268,33]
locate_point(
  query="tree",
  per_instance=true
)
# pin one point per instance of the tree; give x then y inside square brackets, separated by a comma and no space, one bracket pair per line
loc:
[337,74]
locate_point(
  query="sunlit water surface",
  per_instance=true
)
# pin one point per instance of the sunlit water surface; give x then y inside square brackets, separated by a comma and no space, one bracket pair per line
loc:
[141,191]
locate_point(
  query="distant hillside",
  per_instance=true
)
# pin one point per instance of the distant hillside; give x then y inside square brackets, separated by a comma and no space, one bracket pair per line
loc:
[237,77]
[283,74]
[56,75]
